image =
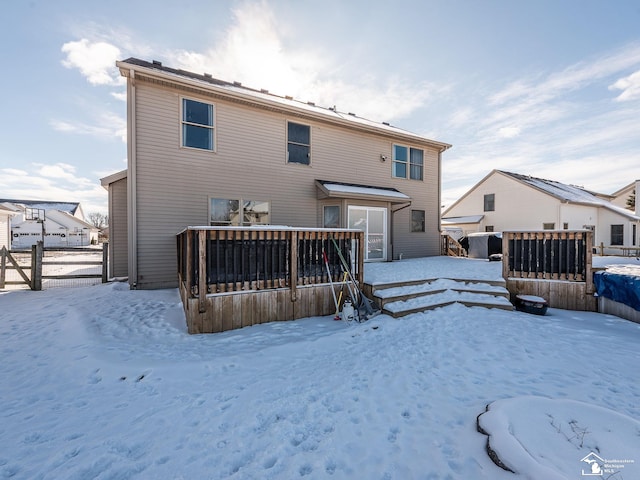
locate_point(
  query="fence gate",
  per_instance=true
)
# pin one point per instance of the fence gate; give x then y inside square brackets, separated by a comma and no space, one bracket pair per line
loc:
[53,265]
[9,262]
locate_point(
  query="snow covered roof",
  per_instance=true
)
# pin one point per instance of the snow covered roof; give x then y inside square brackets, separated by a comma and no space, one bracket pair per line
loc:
[265,98]
[467,219]
[569,193]
[352,190]
[69,207]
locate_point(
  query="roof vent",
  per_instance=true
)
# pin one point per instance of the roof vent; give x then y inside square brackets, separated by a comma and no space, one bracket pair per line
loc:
[288,97]
[311,103]
[386,123]
[208,75]
[352,114]
[237,84]
[264,90]
[156,62]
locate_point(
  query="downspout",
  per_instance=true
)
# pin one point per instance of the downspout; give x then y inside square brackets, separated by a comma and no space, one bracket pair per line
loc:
[132,222]
[439,206]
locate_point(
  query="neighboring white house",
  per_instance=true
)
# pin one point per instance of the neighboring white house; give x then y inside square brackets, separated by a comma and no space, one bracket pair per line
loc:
[504,201]
[5,226]
[60,224]
[621,197]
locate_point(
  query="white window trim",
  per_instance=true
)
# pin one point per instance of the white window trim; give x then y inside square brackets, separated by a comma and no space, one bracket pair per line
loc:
[214,127]
[407,163]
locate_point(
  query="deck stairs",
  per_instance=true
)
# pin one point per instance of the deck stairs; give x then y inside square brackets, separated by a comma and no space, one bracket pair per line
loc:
[404,298]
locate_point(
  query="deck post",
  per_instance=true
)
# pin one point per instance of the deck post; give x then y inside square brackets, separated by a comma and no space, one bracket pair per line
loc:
[36,266]
[202,271]
[590,288]
[505,254]
[188,244]
[105,261]
[293,266]
[3,265]
[361,259]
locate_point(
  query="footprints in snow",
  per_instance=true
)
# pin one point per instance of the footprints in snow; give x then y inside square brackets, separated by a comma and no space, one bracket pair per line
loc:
[95,377]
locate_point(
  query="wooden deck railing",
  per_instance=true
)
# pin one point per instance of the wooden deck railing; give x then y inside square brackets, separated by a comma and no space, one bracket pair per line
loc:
[548,255]
[449,246]
[232,259]
[555,265]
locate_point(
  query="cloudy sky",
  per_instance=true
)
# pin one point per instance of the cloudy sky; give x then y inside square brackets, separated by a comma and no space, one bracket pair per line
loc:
[549,88]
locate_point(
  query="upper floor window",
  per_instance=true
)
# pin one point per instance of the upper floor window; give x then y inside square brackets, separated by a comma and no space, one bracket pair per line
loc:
[298,143]
[490,202]
[197,124]
[617,234]
[408,162]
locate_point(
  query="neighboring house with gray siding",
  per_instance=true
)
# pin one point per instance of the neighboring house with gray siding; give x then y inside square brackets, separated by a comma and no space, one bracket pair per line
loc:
[116,185]
[206,152]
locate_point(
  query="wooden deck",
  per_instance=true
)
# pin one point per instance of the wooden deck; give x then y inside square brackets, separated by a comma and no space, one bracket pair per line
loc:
[234,277]
[554,265]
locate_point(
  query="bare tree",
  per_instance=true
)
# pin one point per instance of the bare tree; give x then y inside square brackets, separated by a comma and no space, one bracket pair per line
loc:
[631,201]
[99,220]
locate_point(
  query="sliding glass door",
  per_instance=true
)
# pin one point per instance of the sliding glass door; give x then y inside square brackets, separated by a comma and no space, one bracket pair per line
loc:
[373,222]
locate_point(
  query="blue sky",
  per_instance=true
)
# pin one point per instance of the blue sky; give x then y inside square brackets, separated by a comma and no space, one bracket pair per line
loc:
[546,88]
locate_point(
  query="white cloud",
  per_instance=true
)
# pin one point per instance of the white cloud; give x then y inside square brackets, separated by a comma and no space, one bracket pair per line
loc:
[95,60]
[571,78]
[58,171]
[630,87]
[56,182]
[253,51]
[14,172]
[509,132]
[108,125]
[561,125]
[122,96]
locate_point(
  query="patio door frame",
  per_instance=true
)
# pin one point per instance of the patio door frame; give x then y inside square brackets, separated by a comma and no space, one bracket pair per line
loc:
[385,233]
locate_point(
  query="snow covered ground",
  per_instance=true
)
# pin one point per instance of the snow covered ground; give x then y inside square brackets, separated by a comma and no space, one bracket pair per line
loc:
[103,382]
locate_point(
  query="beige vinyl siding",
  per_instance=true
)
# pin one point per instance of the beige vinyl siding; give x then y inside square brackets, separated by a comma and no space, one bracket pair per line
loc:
[174,183]
[118,229]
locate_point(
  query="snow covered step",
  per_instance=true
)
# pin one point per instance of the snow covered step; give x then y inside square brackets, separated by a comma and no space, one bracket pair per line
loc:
[434,300]
[385,294]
